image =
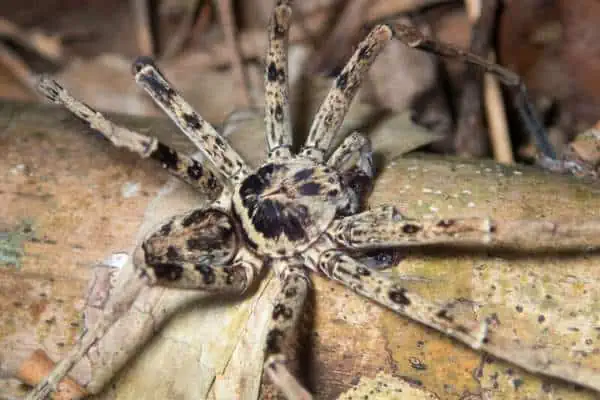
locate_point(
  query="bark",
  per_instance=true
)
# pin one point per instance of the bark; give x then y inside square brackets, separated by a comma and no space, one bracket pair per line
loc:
[75,191]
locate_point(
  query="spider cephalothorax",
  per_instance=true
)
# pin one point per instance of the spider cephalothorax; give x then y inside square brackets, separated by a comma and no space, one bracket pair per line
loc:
[284,207]
[301,211]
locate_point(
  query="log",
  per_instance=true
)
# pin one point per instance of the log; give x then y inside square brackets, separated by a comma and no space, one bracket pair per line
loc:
[82,201]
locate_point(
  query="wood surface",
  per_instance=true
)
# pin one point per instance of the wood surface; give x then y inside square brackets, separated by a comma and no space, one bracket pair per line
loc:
[70,201]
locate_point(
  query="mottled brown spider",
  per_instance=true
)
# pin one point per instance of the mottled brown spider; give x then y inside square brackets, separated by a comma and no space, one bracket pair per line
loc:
[299,211]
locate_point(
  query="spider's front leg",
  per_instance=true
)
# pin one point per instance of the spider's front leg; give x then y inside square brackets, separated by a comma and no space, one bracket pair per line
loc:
[287,310]
[228,162]
[412,37]
[331,114]
[181,166]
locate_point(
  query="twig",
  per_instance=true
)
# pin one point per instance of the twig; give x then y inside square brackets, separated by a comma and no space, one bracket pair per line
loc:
[497,124]
[473,9]
[492,96]
[143,24]
[227,21]
[199,10]
[339,44]
[471,136]
[47,47]
[37,366]
[11,60]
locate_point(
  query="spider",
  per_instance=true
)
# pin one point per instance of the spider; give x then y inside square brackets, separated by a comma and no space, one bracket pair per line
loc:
[296,212]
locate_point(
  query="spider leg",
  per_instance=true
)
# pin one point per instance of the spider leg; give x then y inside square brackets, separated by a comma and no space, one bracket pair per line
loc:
[277,107]
[354,160]
[181,166]
[412,37]
[287,309]
[229,163]
[477,335]
[386,227]
[331,113]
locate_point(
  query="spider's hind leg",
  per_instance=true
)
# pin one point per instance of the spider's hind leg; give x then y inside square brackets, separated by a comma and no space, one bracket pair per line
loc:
[287,309]
[479,334]
[165,258]
[181,166]
[378,287]
[353,159]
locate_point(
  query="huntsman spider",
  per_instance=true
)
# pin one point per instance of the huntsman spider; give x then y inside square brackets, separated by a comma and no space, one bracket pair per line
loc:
[298,212]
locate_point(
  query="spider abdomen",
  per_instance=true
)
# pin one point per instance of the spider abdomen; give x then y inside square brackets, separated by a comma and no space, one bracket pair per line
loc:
[186,248]
[284,207]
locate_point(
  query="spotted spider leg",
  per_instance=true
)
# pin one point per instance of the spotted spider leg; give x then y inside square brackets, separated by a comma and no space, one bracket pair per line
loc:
[228,162]
[386,227]
[277,108]
[181,166]
[479,336]
[353,158]
[287,309]
[335,106]
[342,268]
[412,37]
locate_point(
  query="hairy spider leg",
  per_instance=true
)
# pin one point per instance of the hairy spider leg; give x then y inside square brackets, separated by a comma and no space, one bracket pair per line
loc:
[331,114]
[412,37]
[228,162]
[480,336]
[385,227]
[179,165]
[380,288]
[278,127]
[287,309]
